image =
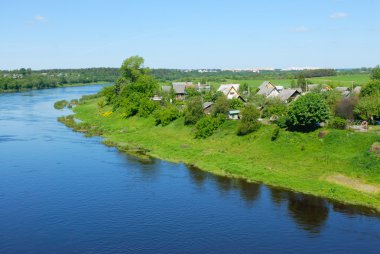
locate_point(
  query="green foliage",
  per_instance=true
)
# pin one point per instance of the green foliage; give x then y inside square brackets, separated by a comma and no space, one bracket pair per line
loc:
[281,122]
[375,73]
[206,126]
[243,87]
[307,112]
[275,133]
[301,82]
[236,103]
[371,88]
[193,111]
[108,92]
[249,122]
[345,107]
[102,103]
[368,107]
[274,107]
[60,104]
[166,115]
[191,92]
[132,68]
[338,123]
[216,95]
[221,106]
[146,107]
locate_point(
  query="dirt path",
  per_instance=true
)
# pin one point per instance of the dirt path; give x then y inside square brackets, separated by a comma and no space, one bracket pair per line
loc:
[353,183]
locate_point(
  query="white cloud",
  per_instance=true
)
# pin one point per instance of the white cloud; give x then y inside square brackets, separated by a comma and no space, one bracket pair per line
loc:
[300,29]
[39,18]
[338,15]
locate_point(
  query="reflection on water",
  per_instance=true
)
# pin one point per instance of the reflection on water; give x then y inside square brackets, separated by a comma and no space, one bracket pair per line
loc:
[63,193]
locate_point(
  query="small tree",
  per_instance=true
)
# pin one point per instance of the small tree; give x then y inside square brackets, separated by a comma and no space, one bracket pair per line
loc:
[249,122]
[221,106]
[369,107]
[375,73]
[194,110]
[307,112]
[236,103]
[301,82]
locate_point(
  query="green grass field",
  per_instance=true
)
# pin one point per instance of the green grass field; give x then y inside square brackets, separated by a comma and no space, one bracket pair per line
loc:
[296,161]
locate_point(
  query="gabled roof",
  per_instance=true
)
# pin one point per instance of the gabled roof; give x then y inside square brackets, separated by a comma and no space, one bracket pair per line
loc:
[166,88]
[227,87]
[265,84]
[179,88]
[286,94]
[207,104]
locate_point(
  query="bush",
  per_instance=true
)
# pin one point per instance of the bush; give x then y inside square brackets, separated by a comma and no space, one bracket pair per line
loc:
[60,104]
[193,111]
[207,126]
[249,122]
[281,122]
[338,123]
[274,107]
[146,107]
[166,115]
[221,106]
[307,112]
[275,133]
[102,103]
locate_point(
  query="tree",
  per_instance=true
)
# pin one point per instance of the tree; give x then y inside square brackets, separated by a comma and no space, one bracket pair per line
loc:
[236,103]
[194,110]
[307,112]
[249,122]
[274,107]
[369,107]
[370,88]
[132,68]
[375,73]
[345,107]
[301,82]
[221,106]
[243,87]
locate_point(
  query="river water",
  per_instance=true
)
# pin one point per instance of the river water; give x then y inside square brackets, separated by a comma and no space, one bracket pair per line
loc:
[63,193]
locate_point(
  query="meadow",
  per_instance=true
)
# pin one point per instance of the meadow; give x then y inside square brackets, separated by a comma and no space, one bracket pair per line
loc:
[303,162]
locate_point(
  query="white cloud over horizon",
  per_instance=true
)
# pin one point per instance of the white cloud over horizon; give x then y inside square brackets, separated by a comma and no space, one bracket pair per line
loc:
[339,15]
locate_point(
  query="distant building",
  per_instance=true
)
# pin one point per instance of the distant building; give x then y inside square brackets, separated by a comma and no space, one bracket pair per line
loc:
[288,95]
[231,91]
[207,107]
[268,90]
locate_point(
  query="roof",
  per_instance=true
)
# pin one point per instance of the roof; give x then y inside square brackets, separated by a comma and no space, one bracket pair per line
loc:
[341,88]
[285,94]
[357,89]
[227,87]
[166,88]
[266,90]
[207,104]
[233,111]
[280,88]
[179,88]
[265,84]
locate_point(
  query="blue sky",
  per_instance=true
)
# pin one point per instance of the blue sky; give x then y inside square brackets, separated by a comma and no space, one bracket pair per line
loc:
[190,34]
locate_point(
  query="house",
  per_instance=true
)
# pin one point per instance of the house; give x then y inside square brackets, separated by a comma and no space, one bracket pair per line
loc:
[268,89]
[288,95]
[207,107]
[202,87]
[343,90]
[234,114]
[280,88]
[357,90]
[231,91]
[179,89]
[166,89]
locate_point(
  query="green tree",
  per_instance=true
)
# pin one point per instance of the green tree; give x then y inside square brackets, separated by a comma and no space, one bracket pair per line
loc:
[375,73]
[132,68]
[221,106]
[236,103]
[369,107]
[370,88]
[193,110]
[249,122]
[307,112]
[301,82]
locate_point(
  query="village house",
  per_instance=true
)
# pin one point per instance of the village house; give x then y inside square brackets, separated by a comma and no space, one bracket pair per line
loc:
[234,114]
[288,95]
[343,90]
[231,91]
[268,90]
[207,107]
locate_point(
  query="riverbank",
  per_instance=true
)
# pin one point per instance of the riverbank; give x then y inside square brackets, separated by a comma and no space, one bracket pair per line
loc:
[60,86]
[301,162]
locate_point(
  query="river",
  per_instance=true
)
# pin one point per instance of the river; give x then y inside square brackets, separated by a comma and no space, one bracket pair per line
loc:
[61,192]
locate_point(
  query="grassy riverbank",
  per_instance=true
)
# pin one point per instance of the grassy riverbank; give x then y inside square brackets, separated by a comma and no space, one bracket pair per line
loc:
[297,161]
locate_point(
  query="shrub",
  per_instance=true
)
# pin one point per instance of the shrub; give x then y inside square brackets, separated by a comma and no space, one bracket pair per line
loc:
[166,115]
[275,133]
[338,123]
[221,106]
[307,112]
[281,122]
[249,122]
[146,107]
[193,111]
[207,126]
[102,103]
[60,104]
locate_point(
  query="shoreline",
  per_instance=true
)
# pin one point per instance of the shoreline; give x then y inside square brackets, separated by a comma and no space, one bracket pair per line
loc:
[139,137]
[61,86]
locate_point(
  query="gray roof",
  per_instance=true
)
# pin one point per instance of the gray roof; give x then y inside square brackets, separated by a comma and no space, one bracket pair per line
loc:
[341,88]
[207,104]
[179,88]
[287,93]
[227,87]
[264,84]
[166,88]
[234,112]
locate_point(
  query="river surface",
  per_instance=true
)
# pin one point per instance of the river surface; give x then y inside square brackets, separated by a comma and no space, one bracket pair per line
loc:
[63,193]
